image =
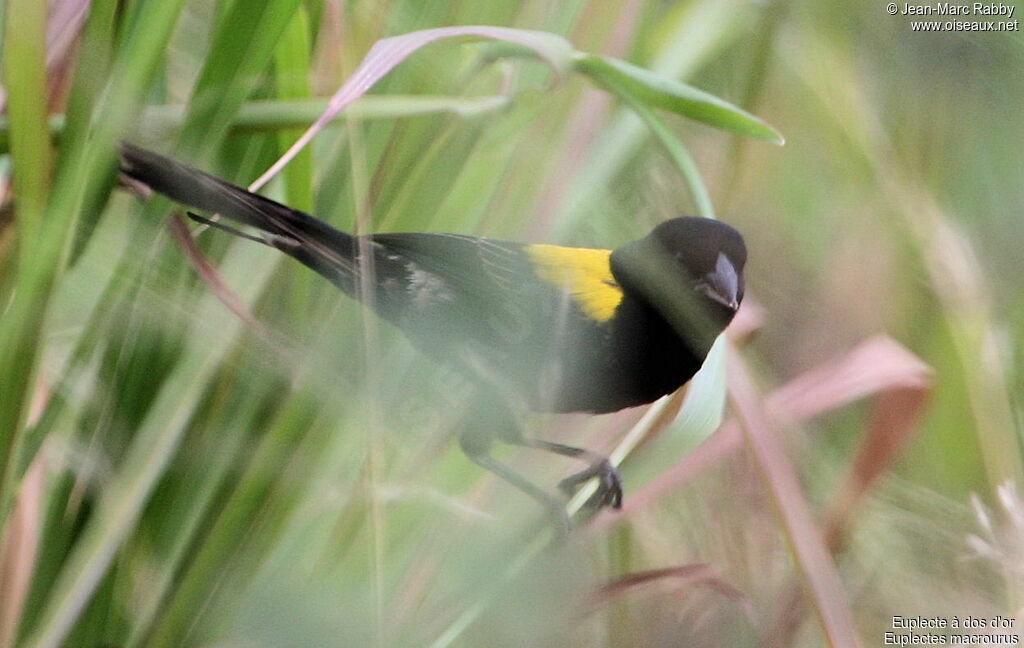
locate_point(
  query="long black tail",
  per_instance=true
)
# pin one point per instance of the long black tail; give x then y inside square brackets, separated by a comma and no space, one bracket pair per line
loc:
[327,250]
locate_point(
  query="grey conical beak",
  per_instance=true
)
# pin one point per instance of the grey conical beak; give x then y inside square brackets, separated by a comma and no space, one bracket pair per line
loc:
[723,284]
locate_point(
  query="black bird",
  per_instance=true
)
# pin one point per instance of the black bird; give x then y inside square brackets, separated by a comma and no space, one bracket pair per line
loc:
[537,327]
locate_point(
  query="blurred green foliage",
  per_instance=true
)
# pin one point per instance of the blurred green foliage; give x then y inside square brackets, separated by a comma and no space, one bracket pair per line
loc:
[197,480]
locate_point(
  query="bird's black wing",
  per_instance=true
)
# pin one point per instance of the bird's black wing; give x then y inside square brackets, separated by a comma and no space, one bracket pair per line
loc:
[531,316]
[475,266]
[471,299]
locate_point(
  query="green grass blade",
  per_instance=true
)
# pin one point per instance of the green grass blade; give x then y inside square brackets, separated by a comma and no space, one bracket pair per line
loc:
[38,237]
[163,121]
[249,500]
[151,450]
[291,70]
[25,81]
[233,68]
[677,152]
[93,69]
[83,175]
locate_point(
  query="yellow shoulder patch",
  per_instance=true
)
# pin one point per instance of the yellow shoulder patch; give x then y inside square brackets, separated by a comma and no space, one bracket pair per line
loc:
[585,273]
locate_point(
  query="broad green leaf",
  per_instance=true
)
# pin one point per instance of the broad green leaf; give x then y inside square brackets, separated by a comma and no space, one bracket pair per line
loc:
[625,79]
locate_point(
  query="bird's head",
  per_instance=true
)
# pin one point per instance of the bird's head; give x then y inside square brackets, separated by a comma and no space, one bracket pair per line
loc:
[710,253]
[685,265]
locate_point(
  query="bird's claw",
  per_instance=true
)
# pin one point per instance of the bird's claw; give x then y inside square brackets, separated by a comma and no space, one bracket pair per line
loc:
[609,489]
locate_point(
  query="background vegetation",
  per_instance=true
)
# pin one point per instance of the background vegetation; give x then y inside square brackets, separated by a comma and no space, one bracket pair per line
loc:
[179,473]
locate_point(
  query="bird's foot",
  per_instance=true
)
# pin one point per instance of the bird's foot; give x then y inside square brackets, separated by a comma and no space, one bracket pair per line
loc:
[609,487]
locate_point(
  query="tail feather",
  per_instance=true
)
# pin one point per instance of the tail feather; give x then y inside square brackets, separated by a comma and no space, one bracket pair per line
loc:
[323,248]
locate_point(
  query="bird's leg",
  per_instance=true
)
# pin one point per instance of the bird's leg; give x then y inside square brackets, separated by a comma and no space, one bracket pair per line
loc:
[478,448]
[609,490]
